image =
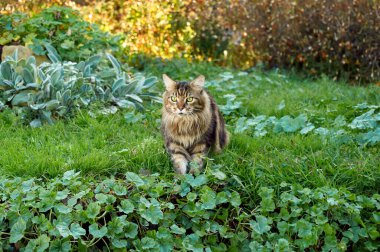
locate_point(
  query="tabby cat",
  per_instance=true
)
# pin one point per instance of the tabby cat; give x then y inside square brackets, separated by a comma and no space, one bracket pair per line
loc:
[191,124]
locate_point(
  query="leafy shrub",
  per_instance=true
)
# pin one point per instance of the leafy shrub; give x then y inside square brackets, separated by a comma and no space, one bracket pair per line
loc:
[57,90]
[337,38]
[155,28]
[190,213]
[63,28]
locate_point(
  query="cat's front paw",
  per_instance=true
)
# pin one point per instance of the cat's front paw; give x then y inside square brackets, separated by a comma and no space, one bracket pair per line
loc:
[180,164]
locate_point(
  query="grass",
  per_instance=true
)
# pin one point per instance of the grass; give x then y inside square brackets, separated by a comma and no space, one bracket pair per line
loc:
[108,144]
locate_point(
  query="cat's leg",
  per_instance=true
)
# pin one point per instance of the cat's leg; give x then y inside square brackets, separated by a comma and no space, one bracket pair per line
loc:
[180,157]
[197,157]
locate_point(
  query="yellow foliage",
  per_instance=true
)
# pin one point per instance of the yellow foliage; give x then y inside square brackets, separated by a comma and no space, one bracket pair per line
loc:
[338,38]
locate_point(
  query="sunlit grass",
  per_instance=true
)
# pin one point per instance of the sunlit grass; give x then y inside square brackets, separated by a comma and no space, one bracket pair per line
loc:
[109,145]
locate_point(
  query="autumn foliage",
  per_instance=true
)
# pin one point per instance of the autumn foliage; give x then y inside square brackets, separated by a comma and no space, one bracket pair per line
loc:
[338,38]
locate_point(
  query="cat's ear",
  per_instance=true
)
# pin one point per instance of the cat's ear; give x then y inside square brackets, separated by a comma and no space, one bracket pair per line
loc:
[169,83]
[199,82]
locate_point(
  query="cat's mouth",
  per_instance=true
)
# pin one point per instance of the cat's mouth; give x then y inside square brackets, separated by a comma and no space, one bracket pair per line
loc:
[182,113]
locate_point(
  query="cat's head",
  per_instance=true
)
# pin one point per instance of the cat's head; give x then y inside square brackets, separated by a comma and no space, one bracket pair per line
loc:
[184,98]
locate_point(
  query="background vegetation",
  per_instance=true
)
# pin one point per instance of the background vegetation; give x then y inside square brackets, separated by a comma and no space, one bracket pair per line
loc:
[82,161]
[337,38]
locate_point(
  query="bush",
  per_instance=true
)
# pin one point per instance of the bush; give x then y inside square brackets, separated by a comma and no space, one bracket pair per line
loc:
[336,38]
[198,213]
[63,28]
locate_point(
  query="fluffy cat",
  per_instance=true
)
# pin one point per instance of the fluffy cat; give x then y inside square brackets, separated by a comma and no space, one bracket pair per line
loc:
[191,123]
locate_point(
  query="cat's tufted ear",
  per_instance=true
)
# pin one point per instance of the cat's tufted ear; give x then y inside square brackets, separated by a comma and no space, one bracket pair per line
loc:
[169,83]
[199,82]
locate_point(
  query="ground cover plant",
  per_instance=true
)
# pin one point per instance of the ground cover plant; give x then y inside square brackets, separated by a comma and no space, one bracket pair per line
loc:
[199,213]
[299,187]
[83,167]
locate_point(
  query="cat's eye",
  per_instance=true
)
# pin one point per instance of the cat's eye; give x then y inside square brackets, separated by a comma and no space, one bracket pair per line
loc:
[189,99]
[173,98]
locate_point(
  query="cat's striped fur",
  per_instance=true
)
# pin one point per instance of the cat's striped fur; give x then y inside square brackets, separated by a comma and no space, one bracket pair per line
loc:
[191,124]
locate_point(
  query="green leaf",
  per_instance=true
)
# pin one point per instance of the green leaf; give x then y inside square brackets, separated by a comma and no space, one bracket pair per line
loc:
[364,121]
[371,137]
[208,198]
[63,208]
[283,227]
[340,121]
[177,230]
[68,44]
[288,124]
[304,228]
[51,105]
[96,232]
[62,194]
[93,60]
[148,243]
[21,98]
[309,127]
[60,246]
[191,196]
[40,244]
[198,180]
[235,199]
[282,245]
[52,53]
[101,198]
[134,178]
[63,229]
[120,190]
[219,174]
[149,82]
[256,246]
[36,123]
[153,213]
[131,230]
[6,70]
[126,206]
[115,226]
[261,225]
[77,231]
[69,175]
[93,209]
[221,197]
[193,243]
[17,230]
[119,243]
[376,217]
[28,76]
[114,63]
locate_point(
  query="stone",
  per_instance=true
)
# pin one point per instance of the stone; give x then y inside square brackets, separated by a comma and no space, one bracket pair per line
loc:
[23,53]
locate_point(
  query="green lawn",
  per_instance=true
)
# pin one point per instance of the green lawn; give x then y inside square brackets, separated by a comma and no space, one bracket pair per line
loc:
[302,172]
[108,144]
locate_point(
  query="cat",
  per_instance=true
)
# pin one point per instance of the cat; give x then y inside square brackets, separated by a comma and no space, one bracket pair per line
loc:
[192,124]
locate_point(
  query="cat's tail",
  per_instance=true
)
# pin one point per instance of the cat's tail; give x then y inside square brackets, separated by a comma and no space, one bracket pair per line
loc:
[222,136]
